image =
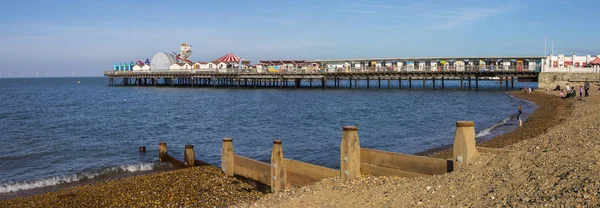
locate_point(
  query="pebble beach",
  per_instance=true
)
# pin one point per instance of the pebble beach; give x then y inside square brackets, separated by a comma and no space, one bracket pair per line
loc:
[555,162]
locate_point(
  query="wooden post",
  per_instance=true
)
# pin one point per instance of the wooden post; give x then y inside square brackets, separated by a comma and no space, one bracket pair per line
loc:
[162,151]
[464,143]
[189,157]
[278,170]
[227,155]
[349,154]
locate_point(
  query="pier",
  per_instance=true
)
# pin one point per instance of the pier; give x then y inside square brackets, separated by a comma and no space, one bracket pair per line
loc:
[366,79]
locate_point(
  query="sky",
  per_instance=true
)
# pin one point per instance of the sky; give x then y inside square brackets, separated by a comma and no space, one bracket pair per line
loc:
[86,37]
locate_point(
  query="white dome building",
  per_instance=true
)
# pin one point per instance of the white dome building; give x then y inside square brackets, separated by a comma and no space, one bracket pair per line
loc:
[162,61]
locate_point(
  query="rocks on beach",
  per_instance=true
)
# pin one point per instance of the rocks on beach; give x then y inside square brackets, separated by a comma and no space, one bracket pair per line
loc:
[203,186]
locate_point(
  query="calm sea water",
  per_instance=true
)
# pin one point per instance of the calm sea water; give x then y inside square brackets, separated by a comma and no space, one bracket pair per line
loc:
[55,131]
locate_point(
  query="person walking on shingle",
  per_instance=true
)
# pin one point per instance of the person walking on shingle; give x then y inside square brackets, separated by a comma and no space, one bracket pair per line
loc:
[586,87]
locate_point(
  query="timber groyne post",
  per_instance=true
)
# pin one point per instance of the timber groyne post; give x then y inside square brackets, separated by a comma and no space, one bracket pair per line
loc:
[464,143]
[190,157]
[278,169]
[349,154]
[162,151]
[227,157]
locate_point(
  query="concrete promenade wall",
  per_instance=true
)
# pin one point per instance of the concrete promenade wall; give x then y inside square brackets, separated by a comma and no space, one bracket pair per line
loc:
[551,79]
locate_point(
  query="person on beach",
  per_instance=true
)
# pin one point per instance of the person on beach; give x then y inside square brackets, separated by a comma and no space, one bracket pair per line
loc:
[586,87]
[519,115]
[562,93]
[568,88]
[580,92]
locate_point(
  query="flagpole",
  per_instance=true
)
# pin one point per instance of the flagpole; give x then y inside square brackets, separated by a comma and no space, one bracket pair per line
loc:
[545,46]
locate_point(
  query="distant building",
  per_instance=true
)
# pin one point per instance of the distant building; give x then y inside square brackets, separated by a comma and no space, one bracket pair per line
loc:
[562,61]
[180,66]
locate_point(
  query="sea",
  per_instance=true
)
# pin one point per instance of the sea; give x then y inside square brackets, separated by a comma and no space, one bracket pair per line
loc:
[57,133]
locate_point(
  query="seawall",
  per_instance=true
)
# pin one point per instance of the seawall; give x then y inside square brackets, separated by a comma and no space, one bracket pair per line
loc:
[551,79]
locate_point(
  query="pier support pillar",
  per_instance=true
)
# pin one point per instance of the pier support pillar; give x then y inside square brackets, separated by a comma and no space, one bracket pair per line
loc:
[442,82]
[349,154]
[389,83]
[189,157]
[469,80]
[297,82]
[512,82]
[464,143]
[278,169]
[368,82]
[424,82]
[162,151]
[350,80]
[227,155]
[433,82]
[409,82]
[324,83]
[461,83]
[506,83]
[476,82]
[379,82]
[500,81]
[310,82]
[399,82]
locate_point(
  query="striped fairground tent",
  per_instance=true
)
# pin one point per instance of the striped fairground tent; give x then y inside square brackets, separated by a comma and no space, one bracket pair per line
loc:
[228,58]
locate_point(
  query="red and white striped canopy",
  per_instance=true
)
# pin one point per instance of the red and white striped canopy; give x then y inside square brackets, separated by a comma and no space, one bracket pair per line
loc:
[228,58]
[596,61]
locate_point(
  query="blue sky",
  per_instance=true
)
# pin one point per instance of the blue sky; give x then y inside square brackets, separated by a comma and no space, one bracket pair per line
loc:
[87,37]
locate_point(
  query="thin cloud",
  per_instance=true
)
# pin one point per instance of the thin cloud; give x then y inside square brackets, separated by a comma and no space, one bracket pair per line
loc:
[24,38]
[576,5]
[466,15]
[438,15]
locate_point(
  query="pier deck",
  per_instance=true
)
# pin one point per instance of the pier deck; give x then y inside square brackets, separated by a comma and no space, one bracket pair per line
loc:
[362,79]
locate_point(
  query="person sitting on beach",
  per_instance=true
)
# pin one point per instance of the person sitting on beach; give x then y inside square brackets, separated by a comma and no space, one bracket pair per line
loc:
[562,94]
[568,88]
[557,88]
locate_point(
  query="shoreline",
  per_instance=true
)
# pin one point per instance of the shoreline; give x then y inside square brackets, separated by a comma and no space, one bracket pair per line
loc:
[549,108]
[197,186]
[555,160]
[247,193]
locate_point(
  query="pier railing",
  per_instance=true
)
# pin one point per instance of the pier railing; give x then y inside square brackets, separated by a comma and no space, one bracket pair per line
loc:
[282,173]
[309,70]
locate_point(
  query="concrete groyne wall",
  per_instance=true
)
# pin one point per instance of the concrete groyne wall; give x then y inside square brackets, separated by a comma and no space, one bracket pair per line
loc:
[551,79]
